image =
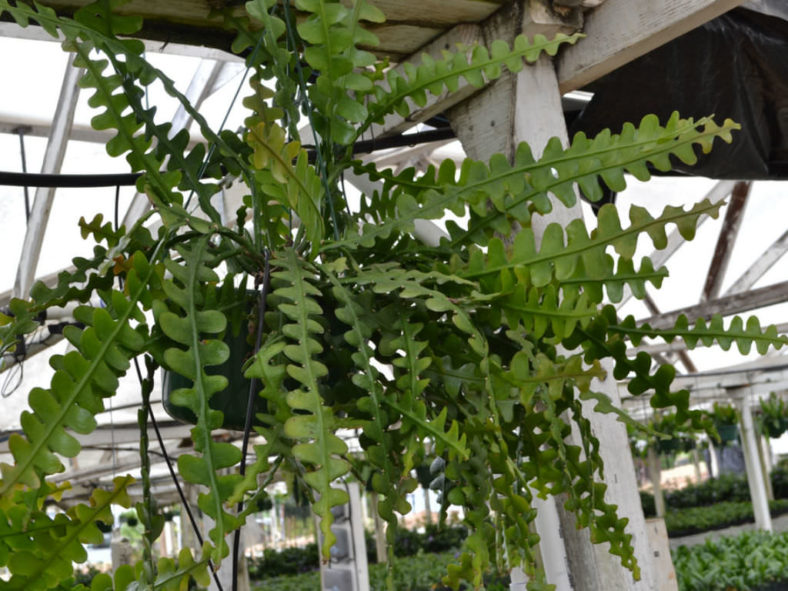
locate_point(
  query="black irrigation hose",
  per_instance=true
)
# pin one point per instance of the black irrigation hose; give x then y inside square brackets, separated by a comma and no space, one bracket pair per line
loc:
[84,181]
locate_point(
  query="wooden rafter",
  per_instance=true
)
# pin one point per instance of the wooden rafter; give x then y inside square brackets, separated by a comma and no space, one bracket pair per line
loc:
[53,160]
[725,242]
[759,268]
[726,306]
[675,240]
[410,23]
[620,31]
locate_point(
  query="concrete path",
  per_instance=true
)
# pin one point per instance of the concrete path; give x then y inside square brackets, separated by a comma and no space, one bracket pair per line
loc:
[779,524]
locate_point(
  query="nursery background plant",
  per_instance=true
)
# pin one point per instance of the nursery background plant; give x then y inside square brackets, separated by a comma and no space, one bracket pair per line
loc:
[479,349]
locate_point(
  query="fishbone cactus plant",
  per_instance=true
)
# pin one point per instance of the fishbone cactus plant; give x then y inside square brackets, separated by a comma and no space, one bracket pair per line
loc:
[477,349]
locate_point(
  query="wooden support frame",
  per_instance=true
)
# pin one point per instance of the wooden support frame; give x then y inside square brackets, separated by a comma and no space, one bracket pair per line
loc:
[620,31]
[726,306]
[675,240]
[617,32]
[759,268]
[726,240]
[53,161]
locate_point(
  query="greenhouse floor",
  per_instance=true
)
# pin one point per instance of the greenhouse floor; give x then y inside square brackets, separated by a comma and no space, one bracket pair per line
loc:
[779,524]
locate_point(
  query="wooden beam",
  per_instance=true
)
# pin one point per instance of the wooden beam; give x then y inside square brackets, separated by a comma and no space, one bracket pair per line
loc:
[437,12]
[409,25]
[675,240]
[620,31]
[725,242]
[726,306]
[759,268]
[530,17]
[394,123]
[53,161]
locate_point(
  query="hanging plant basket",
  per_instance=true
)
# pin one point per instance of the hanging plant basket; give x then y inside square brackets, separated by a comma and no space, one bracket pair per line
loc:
[727,433]
[668,446]
[232,400]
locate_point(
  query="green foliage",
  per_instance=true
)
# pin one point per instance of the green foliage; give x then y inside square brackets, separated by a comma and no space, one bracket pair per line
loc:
[746,562]
[290,561]
[693,520]
[420,572]
[726,487]
[724,414]
[476,353]
[773,419]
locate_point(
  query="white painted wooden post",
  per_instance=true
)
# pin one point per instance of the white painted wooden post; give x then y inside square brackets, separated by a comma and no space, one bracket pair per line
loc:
[762,445]
[714,462]
[527,107]
[755,479]
[655,473]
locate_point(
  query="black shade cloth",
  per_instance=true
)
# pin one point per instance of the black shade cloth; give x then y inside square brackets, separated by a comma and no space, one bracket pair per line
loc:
[735,66]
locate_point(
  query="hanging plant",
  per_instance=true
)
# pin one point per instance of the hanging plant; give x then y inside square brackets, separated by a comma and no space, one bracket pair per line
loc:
[675,436]
[774,416]
[726,419]
[490,347]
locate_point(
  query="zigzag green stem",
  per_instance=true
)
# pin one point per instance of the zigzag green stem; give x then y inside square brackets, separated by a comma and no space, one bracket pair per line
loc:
[670,148]
[362,349]
[437,205]
[284,164]
[670,334]
[393,99]
[569,251]
[73,535]
[84,382]
[427,426]
[199,386]
[151,165]
[116,47]
[178,575]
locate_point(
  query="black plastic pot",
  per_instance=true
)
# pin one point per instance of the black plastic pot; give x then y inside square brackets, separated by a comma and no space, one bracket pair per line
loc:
[232,400]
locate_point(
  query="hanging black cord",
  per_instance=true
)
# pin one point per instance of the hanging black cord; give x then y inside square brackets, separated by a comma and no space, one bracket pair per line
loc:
[117,206]
[250,406]
[175,480]
[21,132]
[67,181]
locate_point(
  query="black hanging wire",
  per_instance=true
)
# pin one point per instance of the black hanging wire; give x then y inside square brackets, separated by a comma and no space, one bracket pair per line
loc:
[20,131]
[175,480]
[117,206]
[160,439]
[250,403]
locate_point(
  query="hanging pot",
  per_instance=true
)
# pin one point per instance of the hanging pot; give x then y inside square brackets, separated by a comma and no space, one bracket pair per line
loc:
[668,446]
[231,401]
[727,433]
